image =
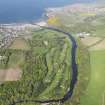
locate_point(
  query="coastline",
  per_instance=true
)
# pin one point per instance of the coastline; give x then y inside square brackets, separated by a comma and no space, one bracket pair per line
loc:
[53,11]
[24,25]
[49,12]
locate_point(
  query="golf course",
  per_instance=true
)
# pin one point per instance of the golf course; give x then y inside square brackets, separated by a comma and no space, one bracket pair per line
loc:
[47,64]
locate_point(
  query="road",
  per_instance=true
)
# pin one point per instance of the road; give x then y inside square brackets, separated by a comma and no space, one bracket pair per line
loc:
[73,81]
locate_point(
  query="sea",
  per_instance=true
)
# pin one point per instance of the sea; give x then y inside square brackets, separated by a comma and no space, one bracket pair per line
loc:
[17,11]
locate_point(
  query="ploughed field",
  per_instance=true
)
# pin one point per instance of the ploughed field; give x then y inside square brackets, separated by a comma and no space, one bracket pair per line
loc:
[44,67]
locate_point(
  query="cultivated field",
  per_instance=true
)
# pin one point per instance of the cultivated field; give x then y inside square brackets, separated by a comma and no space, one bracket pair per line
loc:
[88,41]
[94,43]
[19,43]
[12,74]
[98,46]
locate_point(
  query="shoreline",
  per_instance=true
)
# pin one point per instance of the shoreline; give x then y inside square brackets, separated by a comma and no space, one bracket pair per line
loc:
[44,17]
[47,14]
[51,12]
[24,25]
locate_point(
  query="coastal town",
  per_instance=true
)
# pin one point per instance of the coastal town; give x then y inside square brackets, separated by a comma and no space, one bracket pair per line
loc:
[8,32]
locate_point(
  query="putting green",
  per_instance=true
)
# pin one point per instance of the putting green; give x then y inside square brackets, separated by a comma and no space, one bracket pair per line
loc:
[95,93]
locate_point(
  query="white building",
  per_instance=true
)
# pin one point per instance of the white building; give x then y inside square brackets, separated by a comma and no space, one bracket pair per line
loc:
[83,34]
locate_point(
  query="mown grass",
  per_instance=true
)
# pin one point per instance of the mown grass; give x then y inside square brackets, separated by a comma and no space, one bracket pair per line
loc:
[58,76]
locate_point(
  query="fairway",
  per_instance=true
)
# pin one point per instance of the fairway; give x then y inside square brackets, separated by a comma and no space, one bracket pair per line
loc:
[95,93]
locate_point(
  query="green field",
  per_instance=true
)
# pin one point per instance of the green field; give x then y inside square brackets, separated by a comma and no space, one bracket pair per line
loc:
[13,58]
[95,93]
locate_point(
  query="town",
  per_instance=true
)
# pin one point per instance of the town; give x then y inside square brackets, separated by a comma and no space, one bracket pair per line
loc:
[8,32]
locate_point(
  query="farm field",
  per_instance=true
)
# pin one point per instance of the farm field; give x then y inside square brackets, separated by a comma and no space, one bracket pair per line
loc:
[12,59]
[88,41]
[94,43]
[12,74]
[95,93]
[99,46]
[20,43]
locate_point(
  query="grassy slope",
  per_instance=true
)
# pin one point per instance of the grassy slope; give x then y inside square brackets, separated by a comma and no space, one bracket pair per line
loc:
[95,93]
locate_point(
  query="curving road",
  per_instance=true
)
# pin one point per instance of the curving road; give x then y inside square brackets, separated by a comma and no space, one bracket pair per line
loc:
[73,81]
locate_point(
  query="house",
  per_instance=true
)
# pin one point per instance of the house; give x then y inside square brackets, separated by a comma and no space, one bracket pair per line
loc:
[83,34]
